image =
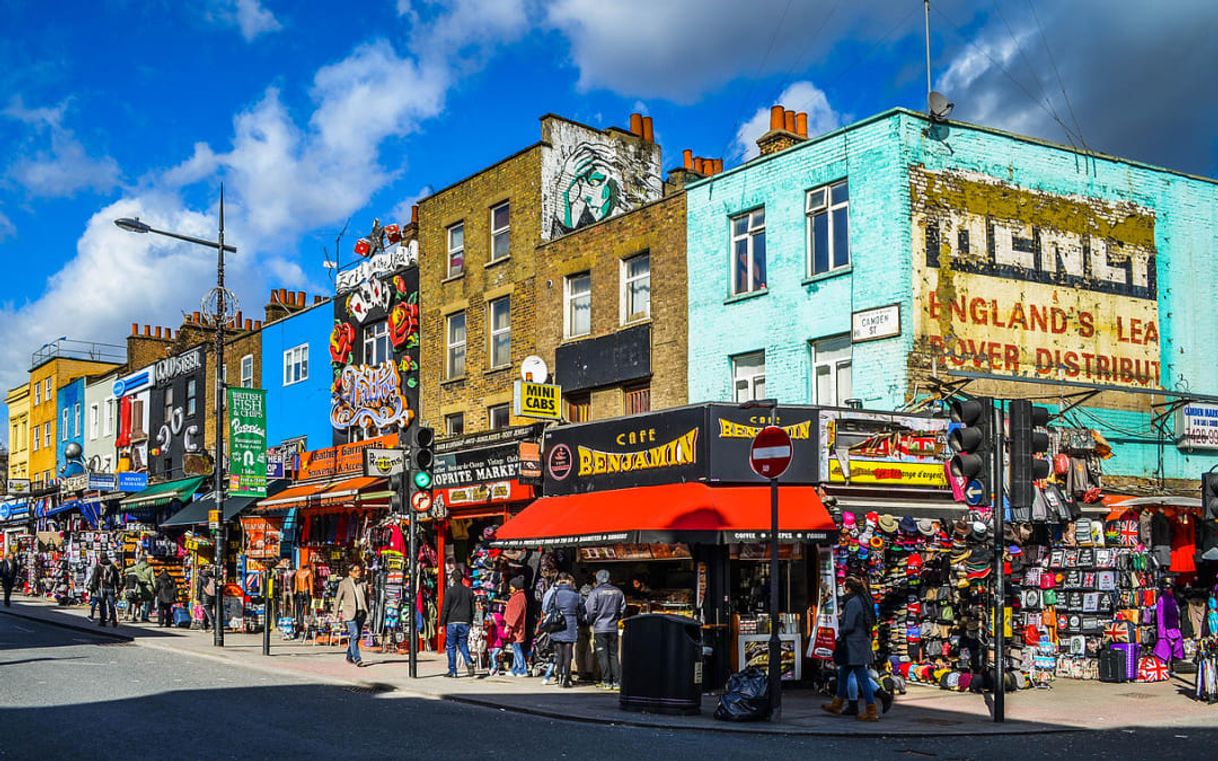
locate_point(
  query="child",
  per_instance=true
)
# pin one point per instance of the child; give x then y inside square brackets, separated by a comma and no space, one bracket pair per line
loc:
[496,639]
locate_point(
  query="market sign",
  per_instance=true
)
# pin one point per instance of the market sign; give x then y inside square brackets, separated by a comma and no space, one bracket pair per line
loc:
[342,460]
[1029,284]
[1197,426]
[878,448]
[380,462]
[73,484]
[730,434]
[486,473]
[103,482]
[247,442]
[542,401]
[132,482]
[18,486]
[174,367]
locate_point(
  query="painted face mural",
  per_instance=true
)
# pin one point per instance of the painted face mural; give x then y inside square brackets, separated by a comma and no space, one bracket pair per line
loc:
[589,186]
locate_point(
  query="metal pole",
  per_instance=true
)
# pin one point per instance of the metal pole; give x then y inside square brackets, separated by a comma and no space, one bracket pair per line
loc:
[413,587]
[775,659]
[999,580]
[267,599]
[926,8]
[218,485]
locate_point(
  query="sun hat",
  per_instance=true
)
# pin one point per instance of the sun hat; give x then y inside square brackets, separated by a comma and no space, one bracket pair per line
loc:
[908,525]
[848,519]
[888,523]
[926,527]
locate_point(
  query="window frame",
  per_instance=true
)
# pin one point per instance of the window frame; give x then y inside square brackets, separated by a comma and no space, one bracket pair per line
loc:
[192,397]
[749,235]
[294,359]
[64,433]
[247,379]
[376,336]
[46,435]
[450,346]
[835,363]
[581,402]
[38,393]
[46,391]
[491,411]
[493,333]
[77,420]
[639,391]
[750,380]
[501,232]
[108,418]
[448,237]
[629,280]
[568,300]
[827,208]
[454,430]
[94,421]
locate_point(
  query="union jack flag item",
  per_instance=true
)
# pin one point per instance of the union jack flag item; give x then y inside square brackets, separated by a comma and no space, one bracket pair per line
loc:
[1118,631]
[1151,669]
[1129,533]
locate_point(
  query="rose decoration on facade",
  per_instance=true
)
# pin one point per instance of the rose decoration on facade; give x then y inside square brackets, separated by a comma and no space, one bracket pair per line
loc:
[403,322]
[342,342]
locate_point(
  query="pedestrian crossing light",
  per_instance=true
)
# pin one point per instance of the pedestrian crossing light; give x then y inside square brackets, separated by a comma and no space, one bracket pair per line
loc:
[973,441]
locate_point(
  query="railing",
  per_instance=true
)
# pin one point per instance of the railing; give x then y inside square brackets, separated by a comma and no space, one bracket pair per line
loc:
[67,348]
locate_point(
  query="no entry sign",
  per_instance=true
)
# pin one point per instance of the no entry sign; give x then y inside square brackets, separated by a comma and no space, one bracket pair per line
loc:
[771,452]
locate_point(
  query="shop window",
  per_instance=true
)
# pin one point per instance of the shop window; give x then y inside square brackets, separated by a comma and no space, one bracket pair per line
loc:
[638,400]
[579,408]
[191,397]
[456,249]
[500,232]
[501,332]
[247,371]
[748,252]
[498,416]
[748,376]
[456,345]
[94,421]
[296,364]
[831,372]
[376,343]
[454,425]
[828,210]
[636,288]
[577,293]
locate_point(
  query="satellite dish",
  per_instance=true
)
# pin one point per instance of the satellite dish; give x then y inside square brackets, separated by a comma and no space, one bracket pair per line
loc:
[938,105]
[533,369]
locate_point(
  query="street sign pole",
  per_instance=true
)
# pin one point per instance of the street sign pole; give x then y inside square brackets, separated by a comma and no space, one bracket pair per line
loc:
[412,588]
[769,457]
[999,581]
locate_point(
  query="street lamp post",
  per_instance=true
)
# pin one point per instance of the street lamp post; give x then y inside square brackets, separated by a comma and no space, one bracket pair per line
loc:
[219,537]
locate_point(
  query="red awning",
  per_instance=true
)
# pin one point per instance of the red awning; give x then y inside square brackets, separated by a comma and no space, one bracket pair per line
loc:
[293,496]
[350,489]
[690,512]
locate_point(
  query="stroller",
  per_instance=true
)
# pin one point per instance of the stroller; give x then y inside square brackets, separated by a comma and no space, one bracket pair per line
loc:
[544,656]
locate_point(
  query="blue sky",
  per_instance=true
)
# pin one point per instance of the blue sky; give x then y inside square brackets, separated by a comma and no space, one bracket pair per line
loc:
[316,113]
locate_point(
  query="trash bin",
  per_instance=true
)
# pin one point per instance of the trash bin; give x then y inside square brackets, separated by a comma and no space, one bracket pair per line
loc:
[661,664]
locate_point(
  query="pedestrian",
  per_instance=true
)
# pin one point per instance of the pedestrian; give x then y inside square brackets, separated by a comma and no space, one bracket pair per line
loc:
[496,639]
[352,606]
[8,578]
[455,618]
[103,584]
[131,593]
[145,588]
[166,596]
[853,652]
[207,595]
[515,619]
[564,599]
[605,607]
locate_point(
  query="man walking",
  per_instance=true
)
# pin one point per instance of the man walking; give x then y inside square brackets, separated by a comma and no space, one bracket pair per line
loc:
[145,580]
[166,596]
[605,607]
[103,584]
[352,605]
[517,613]
[456,617]
[8,577]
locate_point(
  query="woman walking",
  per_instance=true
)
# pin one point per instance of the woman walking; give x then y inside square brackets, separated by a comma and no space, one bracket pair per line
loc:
[853,653]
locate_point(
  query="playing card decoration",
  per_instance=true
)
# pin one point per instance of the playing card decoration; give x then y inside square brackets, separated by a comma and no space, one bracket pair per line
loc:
[370,296]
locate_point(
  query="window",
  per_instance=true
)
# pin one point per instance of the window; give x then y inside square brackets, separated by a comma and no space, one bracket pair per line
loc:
[376,343]
[636,288]
[296,364]
[501,332]
[748,252]
[454,424]
[94,420]
[108,427]
[138,420]
[456,345]
[638,399]
[577,295]
[499,232]
[46,393]
[498,416]
[64,429]
[456,249]
[37,393]
[35,440]
[748,376]
[46,435]
[247,371]
[579,408]
[192,397]
[828,228]
[168,404]
[831,375]
[76,420]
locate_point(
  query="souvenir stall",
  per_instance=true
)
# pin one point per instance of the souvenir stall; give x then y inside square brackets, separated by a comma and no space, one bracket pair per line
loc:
[15,519]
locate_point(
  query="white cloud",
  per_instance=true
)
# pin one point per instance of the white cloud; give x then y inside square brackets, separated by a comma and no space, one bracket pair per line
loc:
[248,16]
[7,228]
[401,212]
[60,165]
[799,96]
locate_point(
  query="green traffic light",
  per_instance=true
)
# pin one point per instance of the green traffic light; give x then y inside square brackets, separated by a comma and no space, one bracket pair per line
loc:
[422,479]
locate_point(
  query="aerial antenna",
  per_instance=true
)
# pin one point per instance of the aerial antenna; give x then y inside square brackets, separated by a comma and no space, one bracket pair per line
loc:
[937,104]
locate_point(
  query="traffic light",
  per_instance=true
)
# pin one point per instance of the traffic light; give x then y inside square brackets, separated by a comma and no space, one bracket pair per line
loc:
[1027,444]
[422,456]
[1209,495]
[973,442]
[397,501]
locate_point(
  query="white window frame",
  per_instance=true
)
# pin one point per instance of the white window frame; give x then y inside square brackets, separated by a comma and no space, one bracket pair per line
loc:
[833,354]
[66,428]
[451,346]
[46,435]
[491,411]
[820,202]
[628,282]
[754,227]
[749,377]
[94,421]
[569,299]
[38,393]
[77,420]
[296,365]
[376,339]
[192,397]
[450,422]
[46,394]
[247,371]
[108,419]
[452,250]
[167,400]
[494,333]
[501,233]
[34,442]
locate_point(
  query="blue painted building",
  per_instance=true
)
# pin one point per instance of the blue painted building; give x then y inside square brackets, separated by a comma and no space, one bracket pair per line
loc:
[866,265]
[296,375]
[70,427]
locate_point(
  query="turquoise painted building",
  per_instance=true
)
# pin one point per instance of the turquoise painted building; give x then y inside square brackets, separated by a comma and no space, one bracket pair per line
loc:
[862,265]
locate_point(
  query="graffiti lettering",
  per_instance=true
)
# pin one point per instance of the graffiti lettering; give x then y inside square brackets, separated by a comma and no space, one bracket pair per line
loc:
[369,396]
[379,265]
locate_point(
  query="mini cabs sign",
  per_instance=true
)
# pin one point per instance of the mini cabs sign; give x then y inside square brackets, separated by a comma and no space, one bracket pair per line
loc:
[537,400]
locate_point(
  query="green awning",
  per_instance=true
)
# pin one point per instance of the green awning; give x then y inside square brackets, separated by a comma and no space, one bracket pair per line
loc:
[163,494]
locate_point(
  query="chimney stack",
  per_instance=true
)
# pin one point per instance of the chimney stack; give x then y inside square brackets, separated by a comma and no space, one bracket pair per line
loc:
[648,131]
[636,124]
[198,319]
[786,129]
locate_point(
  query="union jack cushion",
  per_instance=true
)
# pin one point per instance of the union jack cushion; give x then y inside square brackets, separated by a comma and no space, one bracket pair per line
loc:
[1151,669]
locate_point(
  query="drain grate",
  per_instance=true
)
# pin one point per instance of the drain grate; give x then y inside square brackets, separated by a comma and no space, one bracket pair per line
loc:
[369,689]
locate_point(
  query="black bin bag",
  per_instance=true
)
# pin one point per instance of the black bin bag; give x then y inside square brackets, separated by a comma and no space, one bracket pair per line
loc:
[747,697]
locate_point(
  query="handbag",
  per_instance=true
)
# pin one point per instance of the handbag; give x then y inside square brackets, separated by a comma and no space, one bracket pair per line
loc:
[554,620]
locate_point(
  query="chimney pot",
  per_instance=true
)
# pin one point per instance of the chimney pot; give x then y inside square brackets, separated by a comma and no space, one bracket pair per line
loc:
[159,331]
[648,132]
[777,117]
[237,321]
[789,121]
[300,298]
[257,324]
[636,124]
[249,324]
[801,124]
[316,299]
[148,331]
[197,318]
[698,165]
[688,158]
[135,328]
[718,166]
[414,214]
[283,295]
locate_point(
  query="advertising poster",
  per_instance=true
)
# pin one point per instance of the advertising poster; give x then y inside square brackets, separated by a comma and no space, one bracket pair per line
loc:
[247,442]
[868,448]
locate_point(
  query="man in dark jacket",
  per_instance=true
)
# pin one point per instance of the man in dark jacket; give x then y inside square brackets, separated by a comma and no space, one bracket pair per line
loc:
[456,617]
[166,596]
[8,577]
[103,583]
[605,608]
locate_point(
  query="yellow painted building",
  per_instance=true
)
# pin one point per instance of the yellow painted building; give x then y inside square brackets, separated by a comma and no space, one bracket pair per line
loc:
[45,380]
[18,402]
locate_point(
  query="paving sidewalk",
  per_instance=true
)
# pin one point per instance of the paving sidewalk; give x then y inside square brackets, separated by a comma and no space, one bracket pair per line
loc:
[1069,706]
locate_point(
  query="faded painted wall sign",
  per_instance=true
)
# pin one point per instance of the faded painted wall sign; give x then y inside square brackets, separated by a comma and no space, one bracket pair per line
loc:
[1024,283]
[369,396]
